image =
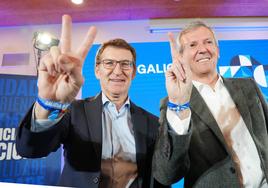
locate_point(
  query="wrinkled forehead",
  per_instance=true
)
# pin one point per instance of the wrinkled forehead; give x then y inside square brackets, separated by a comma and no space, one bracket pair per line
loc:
[195,34]
[116,53]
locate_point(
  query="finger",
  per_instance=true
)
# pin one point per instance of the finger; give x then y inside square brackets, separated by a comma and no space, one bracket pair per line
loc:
[87,43]
[55,52]
[66,34]
[186,66]
[178,71]
[47,64]
[180,68]
[170,75]
[187,70]
[68,63]
[173,47]
[174,74]
[77,78]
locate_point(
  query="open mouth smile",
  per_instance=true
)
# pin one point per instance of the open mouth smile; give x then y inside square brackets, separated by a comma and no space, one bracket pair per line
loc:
[203,60]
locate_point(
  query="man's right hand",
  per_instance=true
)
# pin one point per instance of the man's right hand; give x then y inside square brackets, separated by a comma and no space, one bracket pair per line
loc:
[60,71]
[178,76]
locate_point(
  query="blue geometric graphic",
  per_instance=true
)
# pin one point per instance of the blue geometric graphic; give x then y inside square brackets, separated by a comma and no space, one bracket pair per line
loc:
[246,58]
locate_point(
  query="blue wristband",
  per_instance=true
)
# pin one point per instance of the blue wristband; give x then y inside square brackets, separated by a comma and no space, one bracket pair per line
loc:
[178,108]
[52,105]
[55,108]
[54,114]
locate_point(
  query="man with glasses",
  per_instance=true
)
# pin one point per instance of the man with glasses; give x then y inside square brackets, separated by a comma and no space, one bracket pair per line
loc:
[108,140]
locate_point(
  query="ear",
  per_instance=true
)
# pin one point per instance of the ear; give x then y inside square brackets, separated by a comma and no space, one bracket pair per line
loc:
[218,51]
[97,71]
[134,73]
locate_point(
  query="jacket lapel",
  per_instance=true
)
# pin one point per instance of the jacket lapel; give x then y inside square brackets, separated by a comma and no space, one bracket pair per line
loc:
[140,133]
[200,108]
[239,100]
[93,109]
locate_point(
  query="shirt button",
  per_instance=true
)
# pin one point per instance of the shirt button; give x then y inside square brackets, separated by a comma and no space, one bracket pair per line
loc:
[232,169]
[96,180]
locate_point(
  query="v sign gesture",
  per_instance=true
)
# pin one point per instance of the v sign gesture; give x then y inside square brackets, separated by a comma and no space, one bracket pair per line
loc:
[178,76]
[60,71]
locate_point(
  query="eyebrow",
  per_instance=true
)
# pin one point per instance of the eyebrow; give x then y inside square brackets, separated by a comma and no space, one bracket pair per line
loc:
[116,60]
[194,41]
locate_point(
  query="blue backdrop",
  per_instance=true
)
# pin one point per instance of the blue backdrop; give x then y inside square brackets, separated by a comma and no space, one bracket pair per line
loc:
[17,93]
[246,58]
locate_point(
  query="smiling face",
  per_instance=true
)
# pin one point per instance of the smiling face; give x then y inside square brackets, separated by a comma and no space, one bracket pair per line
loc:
[200,50]
[115,82]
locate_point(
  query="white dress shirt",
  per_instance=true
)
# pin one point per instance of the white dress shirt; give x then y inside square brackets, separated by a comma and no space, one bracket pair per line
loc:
[229,120]
[117,131]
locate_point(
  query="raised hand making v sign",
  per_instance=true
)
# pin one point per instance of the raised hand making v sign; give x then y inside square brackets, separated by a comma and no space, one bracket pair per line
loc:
[108,140]
[178,77]
[60,71]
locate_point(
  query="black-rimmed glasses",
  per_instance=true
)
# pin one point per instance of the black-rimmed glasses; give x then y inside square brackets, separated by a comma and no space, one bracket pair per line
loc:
[111,64]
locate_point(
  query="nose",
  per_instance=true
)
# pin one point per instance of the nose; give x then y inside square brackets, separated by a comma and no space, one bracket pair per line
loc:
[202,48]
[117,69]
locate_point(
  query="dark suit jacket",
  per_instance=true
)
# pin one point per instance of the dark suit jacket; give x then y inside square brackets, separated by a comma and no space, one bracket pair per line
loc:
[201,156]
[80,132]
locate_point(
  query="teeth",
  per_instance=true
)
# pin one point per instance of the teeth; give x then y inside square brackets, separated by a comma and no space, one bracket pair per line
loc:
[117,80]
[202,60]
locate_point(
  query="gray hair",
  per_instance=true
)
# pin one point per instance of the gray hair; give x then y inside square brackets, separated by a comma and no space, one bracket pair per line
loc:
[192,26]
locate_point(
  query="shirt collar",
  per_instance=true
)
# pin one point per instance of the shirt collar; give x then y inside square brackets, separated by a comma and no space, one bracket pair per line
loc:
[199,85]
[106,101]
